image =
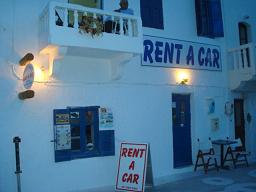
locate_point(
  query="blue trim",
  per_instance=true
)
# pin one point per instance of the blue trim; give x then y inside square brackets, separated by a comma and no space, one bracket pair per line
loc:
[103,140]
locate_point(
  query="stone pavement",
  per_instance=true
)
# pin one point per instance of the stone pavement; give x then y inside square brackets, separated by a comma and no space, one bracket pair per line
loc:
[241,179]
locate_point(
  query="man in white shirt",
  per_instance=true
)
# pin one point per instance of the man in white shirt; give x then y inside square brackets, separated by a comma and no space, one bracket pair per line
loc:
[124,7]
[110,25]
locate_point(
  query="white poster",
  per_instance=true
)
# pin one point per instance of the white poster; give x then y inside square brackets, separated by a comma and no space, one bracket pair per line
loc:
[105,118]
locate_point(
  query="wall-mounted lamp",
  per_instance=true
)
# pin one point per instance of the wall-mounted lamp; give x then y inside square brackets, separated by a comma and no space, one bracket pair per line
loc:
[40,75]
[28,76]
[246,17]
[249,117]
[184,81]
[182,78]
[26,59]
[26,94]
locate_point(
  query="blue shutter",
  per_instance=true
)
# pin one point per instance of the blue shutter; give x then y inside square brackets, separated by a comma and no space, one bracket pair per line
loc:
[209,18]
[61,118]
[202,17]
[215,18]
[152,13]
[107,142]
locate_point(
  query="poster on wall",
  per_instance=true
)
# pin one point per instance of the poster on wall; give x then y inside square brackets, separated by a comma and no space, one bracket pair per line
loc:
[105,118]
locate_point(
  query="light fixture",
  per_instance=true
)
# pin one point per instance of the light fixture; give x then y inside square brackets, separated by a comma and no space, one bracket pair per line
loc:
[26,94]
[182,78]
[28,77]
[39,73]
[26,59]
[246,17]
[184,81]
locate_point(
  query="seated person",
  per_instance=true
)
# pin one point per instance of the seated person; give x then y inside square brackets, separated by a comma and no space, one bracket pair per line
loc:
[124,8]
[110,25]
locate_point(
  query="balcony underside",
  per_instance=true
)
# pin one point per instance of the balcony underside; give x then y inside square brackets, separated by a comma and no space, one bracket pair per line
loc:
[105,46]
[246,85]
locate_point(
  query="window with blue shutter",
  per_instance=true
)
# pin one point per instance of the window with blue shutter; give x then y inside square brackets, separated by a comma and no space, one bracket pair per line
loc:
[209,18]
[152,13]
[77,134]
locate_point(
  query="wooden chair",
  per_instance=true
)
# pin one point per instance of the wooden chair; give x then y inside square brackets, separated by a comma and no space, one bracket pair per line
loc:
[236,153]
[206,155]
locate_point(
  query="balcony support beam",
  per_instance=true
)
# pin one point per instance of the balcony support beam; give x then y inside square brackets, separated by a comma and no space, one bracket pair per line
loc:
[118,65]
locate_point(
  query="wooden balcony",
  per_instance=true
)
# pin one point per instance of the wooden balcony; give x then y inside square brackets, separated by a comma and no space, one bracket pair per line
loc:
[242,71]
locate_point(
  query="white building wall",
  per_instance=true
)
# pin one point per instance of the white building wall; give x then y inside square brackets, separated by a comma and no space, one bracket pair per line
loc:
[243,12]
[250,131]
[140,100]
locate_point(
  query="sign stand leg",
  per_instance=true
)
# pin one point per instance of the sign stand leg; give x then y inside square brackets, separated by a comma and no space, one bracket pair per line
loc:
[149,187]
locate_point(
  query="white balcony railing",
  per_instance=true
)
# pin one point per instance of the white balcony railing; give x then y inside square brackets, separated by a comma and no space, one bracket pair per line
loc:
[60,26]
[242,65]
[243,58]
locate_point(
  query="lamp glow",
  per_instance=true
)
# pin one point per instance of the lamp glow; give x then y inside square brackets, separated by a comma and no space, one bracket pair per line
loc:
[182,78]
[39,74]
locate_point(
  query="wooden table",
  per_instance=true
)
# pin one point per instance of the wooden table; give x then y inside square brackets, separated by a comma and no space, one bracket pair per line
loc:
[222,142]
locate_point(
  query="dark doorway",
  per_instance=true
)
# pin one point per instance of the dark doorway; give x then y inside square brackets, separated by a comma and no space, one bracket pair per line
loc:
[243,38]
[181,130]
[239,120]
[243,34]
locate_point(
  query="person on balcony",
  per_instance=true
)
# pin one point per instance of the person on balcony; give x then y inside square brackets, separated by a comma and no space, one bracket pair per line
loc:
[124,7]
[111,25]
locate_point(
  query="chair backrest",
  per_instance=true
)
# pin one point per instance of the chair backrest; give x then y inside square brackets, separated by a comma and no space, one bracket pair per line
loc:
[205,145]
[237,144]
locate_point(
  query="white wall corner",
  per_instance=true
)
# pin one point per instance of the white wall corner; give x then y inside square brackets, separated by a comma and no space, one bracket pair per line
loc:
[118,63]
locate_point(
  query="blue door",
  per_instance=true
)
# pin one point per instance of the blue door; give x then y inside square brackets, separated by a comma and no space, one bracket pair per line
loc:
[181,130]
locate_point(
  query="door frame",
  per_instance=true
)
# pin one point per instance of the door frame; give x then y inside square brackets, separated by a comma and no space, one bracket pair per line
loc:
[239,133]
[190,129]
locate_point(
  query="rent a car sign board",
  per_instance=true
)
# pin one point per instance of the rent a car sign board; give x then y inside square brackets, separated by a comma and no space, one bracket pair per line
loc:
[132,166]
[173,53]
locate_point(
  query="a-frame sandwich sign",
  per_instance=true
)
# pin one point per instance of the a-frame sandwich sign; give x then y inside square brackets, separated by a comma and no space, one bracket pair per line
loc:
[134,168]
